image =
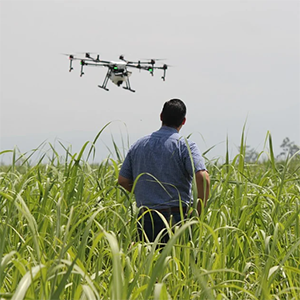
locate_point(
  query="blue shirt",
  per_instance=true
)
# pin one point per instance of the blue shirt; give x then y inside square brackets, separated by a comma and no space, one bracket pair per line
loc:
[162,163]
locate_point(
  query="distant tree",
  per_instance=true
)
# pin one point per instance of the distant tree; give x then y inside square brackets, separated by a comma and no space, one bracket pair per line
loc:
[250,154]
[289,148]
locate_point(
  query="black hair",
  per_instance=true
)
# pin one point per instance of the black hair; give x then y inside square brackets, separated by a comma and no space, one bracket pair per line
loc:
[173,113]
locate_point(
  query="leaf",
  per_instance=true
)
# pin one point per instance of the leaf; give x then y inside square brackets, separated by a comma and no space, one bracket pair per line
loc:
[160,292]
[272,270]
[26,282]
[87,291]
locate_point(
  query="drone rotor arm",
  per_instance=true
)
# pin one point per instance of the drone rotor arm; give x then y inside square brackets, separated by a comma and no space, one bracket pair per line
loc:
[97,60]
[134,65]
[88,58]
[101,64]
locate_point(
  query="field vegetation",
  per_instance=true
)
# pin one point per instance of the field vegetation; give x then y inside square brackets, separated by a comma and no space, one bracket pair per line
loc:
[68,231]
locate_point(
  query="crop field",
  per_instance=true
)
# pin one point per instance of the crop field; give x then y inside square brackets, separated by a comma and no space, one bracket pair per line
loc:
[68,231]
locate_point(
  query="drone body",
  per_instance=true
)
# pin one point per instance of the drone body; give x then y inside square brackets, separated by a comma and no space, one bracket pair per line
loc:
[117,71]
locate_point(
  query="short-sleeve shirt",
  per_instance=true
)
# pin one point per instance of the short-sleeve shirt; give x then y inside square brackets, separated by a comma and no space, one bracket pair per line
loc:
[163,165]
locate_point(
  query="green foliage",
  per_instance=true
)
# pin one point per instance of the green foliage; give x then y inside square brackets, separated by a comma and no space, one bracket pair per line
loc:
[68,231]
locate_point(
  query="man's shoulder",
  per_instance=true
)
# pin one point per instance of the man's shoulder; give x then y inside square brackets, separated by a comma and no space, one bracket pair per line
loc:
[141,140]
[184,140]
[144,138]
[188,146]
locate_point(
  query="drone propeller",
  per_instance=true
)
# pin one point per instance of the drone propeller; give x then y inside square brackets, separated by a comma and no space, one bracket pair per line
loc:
[71,56]
[122,57]
[88,55]
[153,60]
[86,52]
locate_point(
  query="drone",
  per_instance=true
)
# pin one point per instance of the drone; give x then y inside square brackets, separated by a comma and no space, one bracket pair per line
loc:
[117,71]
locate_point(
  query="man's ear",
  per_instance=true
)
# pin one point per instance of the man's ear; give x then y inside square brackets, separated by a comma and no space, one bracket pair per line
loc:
[183,122]
[161,116]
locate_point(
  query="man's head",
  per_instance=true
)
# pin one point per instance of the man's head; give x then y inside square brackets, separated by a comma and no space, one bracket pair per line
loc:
[173,113]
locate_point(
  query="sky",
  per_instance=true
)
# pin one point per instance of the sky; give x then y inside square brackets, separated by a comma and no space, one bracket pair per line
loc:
[235,64]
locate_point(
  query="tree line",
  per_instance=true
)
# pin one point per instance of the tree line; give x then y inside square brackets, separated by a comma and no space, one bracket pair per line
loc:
[288,149]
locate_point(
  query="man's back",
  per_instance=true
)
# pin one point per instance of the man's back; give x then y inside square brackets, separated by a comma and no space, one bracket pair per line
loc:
[163,162]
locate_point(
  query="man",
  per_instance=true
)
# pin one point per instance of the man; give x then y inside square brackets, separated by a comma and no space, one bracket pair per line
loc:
[163,165]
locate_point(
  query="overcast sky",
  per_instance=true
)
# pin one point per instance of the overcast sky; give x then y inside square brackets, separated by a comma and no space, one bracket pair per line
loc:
[233,62]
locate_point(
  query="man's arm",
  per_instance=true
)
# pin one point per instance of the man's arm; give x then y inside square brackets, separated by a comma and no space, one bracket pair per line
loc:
[125,183]
[203,187]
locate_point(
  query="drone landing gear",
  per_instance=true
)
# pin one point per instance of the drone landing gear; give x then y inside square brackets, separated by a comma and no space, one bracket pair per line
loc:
[127,87]
[103,87]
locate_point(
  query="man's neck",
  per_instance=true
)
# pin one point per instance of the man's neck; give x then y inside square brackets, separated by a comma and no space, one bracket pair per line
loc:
[177,128]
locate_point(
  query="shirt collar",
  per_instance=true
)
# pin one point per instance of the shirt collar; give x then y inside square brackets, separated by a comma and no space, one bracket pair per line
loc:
[169,129]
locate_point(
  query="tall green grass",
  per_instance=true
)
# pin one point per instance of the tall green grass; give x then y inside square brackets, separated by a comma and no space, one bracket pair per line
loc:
[68,231]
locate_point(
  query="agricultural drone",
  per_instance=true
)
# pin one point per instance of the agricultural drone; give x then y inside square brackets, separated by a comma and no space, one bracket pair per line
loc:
[117,71]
